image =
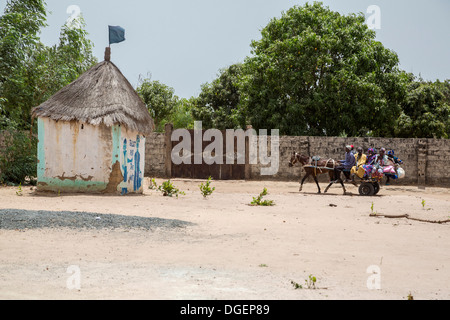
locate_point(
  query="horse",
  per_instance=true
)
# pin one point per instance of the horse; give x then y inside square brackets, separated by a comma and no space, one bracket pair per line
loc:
[314,168]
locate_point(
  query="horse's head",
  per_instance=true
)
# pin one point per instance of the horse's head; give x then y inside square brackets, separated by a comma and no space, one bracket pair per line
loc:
[293,160]
[298,158]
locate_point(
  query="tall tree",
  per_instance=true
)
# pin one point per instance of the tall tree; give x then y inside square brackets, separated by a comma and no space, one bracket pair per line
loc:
[31,72]
[426,111]
[160,99]
[317,72]
[19,28]
[57,66]
[217,104]
[182,117]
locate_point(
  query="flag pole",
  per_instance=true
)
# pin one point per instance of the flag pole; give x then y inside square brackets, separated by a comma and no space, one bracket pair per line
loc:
[108,48]
[108,53]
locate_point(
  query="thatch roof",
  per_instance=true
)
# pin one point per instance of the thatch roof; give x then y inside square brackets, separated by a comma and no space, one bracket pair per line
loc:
[102,95]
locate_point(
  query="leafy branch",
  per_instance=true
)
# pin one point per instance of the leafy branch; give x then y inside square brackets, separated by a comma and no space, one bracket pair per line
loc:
[258,201]
[206,189]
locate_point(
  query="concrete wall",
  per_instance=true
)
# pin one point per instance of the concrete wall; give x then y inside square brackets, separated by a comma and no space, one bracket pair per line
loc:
[77,157]
[155,157]
[425,160]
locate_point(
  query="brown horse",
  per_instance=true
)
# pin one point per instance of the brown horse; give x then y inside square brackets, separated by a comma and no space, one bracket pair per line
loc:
[314,168]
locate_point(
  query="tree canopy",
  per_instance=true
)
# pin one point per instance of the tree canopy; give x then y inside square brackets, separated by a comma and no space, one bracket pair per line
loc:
[164,106]
[31,72]
[426,111]
[217,104]
[317,72]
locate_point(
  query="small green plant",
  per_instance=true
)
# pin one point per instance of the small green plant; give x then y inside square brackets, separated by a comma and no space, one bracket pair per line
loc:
[311,282]
[206,189]
[372,209]
[258,201]
[263,265]
[19,190]
[424,204]
[169,190]
[410,297]
[296,285]
[153,185]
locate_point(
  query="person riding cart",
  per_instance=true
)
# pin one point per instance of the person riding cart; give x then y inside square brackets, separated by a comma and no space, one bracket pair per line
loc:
[346,165]
[361,159]
[369,166]
[397,162]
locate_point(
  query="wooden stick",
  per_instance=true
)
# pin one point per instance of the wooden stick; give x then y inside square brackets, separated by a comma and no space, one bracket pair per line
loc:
[376,215]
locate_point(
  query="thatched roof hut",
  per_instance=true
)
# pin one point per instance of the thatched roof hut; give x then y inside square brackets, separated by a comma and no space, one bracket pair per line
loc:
[102,95]
[92,135]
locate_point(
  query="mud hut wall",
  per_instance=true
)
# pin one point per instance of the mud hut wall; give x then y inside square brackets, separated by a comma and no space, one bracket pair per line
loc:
[78,157]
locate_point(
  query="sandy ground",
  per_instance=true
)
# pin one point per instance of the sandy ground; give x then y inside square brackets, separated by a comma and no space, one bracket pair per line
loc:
[235,251]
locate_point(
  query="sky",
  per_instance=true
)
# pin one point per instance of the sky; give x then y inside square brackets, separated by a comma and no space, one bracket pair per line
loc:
[184,43]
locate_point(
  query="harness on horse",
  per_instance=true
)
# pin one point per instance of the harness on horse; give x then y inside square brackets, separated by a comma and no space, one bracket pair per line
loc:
[316,159]
[328,161]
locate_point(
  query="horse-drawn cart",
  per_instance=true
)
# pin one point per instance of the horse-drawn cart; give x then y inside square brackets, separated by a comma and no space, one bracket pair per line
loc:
[368,186]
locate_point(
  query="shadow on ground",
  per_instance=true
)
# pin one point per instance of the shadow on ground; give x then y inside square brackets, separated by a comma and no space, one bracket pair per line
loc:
[14,219]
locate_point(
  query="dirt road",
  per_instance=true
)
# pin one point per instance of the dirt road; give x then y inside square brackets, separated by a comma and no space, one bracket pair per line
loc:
[230,250]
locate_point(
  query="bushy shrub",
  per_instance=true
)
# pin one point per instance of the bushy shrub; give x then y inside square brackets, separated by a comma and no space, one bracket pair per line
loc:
[168,189]
[18,158]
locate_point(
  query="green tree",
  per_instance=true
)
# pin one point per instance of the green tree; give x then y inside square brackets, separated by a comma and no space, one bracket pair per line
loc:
[426,111]
[57,66]
[19,28]
[217,104]
[182,117]
[31,72]
[160,99]
[317,72]
[70,58]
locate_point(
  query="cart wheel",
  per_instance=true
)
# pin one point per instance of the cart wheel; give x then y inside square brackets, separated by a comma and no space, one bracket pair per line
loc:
[376,188]
[366,189]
